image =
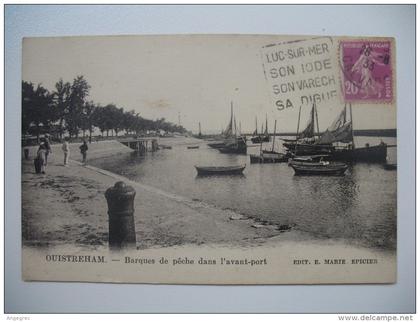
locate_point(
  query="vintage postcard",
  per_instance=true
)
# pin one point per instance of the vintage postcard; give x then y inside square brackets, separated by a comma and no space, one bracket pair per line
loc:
[209,159]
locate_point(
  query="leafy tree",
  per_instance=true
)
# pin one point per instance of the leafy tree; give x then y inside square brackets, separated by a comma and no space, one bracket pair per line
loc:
[68,106]
[79,92]
[62,102]
[37,108]
[87,118]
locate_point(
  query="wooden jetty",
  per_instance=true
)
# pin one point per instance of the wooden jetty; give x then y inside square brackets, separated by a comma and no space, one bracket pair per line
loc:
[141,145]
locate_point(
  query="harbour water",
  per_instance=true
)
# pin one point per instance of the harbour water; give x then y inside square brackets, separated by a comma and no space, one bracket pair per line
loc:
[358,208]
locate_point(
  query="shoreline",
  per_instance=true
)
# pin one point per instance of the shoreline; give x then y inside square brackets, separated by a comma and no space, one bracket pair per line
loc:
[65,222]
[74,211]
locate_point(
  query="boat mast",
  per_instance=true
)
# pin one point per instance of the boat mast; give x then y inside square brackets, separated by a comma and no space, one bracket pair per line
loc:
[266,125]
[274,135]
[317,124]
[231,117]
[297,131]
[256,126]
[351,121]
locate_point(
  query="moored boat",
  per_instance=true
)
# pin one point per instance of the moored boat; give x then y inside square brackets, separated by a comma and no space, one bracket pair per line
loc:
[216,145]
[263,137]
[234,142]
[317,166]
[235,146]
[268,158]
[224,170]
[337,141]
[376,153]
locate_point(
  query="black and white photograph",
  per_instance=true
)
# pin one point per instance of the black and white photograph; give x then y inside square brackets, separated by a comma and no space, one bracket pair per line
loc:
[209,159]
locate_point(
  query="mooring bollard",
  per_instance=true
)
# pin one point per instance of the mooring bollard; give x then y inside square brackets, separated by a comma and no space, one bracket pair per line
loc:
[120,199]
[26,153]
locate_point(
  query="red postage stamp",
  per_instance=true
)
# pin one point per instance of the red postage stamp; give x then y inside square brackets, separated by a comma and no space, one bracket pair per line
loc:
[367,71]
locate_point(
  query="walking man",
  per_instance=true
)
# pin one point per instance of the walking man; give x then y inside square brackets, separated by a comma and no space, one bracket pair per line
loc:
[47,147]
[66,150]
[83,150]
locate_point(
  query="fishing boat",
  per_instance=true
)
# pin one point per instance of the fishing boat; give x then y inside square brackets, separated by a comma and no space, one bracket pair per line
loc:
[337,141]
[376,153]
[199,131]
[226,170]
[234,142]
[341,132]
[235,146]
[269,156]
[306,141]
[316,165]
[263,137]
[216,145]
[193,147]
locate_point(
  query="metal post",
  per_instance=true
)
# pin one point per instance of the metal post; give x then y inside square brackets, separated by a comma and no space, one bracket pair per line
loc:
[120,199]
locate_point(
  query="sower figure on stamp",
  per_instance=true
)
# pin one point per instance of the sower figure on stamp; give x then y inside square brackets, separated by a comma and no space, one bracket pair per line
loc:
[83,150]
[66,150]
[364,66]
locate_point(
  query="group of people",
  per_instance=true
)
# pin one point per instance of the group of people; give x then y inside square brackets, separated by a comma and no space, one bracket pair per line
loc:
[44,150]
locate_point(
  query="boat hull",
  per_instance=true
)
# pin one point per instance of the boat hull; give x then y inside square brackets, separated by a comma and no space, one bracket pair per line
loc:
[310,168]
[268,158]
[259,139]
[308,149]
[206,171]
[236,147]
[216,145]
[375,153]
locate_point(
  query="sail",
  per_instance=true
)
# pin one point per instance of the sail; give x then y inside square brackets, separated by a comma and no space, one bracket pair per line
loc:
[266,126]
[339,131]
[256,128]
[229,129]
[309,131]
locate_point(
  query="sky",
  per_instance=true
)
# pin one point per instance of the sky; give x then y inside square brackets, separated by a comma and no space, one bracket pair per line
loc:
[188,78]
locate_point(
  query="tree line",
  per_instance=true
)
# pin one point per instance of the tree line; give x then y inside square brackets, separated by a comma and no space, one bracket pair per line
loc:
[67,110]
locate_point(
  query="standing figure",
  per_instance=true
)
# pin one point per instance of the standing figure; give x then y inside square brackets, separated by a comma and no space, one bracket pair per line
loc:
[47,147]
[83,150]
[66,150]
[364,67]
[40,159]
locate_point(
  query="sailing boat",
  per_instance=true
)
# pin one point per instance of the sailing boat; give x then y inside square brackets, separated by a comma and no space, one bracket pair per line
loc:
[233,142]
[341,131]
[306,141]
[263,137]
[199,130]
[267,156]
